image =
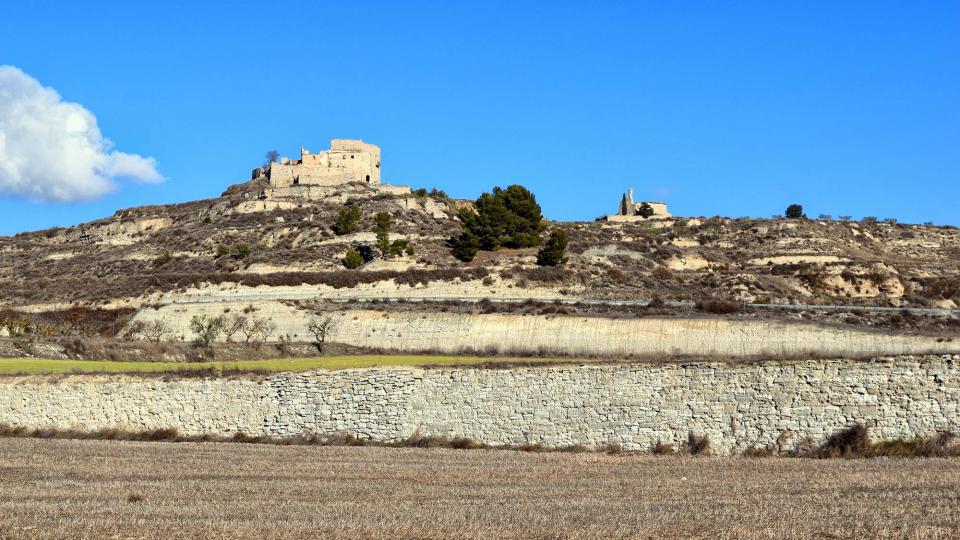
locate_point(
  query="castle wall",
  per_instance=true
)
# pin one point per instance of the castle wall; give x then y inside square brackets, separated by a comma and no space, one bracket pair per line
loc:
[771,404]
[346,161]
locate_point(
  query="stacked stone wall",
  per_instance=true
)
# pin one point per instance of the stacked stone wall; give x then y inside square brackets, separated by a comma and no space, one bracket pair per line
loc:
[772,404]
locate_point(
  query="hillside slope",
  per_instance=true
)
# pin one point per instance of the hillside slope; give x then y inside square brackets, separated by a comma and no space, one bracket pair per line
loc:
[141,255]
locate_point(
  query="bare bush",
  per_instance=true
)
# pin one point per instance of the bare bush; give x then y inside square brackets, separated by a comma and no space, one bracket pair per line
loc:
[155,330]
[719,307]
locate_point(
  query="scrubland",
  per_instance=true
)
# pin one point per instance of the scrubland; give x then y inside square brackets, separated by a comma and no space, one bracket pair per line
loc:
[111,489]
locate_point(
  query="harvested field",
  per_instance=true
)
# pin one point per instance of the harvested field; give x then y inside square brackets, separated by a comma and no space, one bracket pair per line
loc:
[97,489]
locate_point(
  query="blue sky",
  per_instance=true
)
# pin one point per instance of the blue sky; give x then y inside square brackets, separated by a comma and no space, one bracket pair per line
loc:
[733,108]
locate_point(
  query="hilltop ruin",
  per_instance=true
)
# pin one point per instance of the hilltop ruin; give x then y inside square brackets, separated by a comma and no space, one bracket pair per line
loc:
[635,211]
[347,160]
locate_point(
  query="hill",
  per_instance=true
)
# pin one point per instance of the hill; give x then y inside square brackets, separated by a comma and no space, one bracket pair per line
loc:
[279,252]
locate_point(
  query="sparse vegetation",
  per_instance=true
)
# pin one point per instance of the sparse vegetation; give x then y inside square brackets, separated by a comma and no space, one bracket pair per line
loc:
[854,442]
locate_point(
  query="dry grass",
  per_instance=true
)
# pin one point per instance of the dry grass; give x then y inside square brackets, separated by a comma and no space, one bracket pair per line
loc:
[111,489]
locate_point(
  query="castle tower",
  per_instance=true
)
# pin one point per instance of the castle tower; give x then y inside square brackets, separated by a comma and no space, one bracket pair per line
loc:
[627,208]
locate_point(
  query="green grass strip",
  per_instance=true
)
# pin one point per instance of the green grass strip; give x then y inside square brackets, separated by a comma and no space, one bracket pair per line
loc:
[40,366]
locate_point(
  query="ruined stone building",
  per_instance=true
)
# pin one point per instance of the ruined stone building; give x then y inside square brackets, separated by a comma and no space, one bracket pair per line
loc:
[632,211]
[346,161]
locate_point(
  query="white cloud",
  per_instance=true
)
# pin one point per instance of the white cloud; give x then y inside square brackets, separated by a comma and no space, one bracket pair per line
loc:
[52,150]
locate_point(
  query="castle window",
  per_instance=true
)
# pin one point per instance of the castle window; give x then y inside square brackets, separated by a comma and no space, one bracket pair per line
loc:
[368,178]
[351,156]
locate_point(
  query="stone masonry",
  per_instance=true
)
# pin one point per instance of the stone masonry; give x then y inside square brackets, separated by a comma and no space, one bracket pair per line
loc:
[772,404]
[346,161]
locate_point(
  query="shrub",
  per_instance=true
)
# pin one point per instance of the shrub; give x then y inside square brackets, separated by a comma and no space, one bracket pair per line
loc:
[352,259]
[662,449]
[698,445]
[854,442]
[941,445]
[553,251]
[662,273]
[546,274]
[241,251]
[163,259]
[347,219]
[399,247]
[718,307]
[794,211]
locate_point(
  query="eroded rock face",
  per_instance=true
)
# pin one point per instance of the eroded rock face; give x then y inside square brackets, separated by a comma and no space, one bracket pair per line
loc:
[768,405]
[571,335]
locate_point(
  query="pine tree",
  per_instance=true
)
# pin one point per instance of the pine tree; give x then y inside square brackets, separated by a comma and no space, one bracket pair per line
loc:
[347,219]
[645,211]
[382,228]
[465,246]
[553,251]
[352,259]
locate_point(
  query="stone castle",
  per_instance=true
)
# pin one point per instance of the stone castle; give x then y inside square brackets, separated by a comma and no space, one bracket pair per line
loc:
[632,211]
[346,161]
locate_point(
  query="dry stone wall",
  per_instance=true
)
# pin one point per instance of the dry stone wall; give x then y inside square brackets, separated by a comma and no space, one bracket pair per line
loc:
[773,404]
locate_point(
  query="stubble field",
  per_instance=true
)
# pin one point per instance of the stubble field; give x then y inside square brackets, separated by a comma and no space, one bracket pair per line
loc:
[111,489]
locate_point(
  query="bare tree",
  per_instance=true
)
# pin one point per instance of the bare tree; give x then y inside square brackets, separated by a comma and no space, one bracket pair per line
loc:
[321,328]
[266,328]
[258,330]
[134,329]
[232,324]
[206,328]
[250,330]
[155,330]
[271,157]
